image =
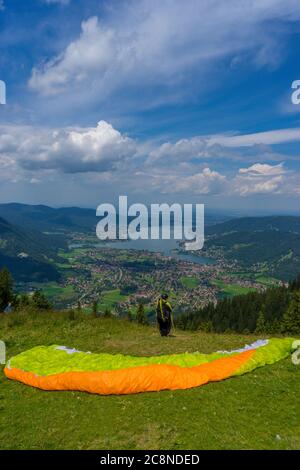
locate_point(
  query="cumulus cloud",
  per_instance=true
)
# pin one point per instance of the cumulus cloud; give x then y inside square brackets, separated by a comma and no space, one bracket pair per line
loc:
[205,182]
[154,43]
[103,155]
[262,179]
[247,186]
[90,54]
[69,150]
[263,169]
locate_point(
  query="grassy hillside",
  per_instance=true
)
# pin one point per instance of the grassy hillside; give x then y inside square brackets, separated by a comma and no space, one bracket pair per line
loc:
[229,290]
[258,410]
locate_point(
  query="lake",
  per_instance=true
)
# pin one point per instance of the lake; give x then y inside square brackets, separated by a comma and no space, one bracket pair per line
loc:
[166,247]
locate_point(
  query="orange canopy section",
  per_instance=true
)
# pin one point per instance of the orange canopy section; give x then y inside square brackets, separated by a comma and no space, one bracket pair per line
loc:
[147,378]
[61,368]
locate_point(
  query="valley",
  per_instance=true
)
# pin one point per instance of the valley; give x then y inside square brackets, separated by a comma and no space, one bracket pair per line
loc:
[57,252]
[121,279]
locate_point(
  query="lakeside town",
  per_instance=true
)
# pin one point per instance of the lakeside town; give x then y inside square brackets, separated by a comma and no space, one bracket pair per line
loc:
[119,280]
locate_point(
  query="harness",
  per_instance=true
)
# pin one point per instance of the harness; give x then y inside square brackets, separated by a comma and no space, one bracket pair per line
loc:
[160,304]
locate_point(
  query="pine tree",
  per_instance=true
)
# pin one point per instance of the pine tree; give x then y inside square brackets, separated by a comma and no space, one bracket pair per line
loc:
[6,288]
[260,323]
[291,318]
[40,301]
[261,312]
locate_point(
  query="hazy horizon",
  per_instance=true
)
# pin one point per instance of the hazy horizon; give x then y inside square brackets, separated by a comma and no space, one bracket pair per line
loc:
[211,211]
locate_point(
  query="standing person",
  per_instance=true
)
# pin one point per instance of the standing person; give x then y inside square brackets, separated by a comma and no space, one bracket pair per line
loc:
[164,315]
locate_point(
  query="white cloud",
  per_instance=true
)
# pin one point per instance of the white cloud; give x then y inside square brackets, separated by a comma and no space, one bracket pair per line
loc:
[104,156]
[231,147]
[246,186]
[90,54]
[67,150]
[183,149]
[262,179]
[154,43]
[109,157]
[263,169]
[62,2]
[205,182]
[273,137]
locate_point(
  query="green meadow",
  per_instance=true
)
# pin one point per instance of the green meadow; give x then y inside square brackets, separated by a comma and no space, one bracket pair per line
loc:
[259,410]
[232,289]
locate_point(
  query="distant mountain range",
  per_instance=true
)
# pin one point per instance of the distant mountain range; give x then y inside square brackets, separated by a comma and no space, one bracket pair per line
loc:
[28,254]
[48,219]
[66,219]
[281,223]
[271,242]
[31,235]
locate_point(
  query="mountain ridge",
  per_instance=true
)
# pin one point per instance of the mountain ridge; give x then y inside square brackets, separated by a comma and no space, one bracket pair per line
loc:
[28,254]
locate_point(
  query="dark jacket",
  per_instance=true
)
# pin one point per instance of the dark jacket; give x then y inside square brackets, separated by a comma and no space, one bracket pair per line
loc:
[163,310]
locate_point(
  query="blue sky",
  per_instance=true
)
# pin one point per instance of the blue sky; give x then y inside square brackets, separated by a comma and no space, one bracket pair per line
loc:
[162,101]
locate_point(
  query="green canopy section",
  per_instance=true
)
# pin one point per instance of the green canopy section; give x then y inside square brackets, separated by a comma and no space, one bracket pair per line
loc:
[276,350]
[49,360]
